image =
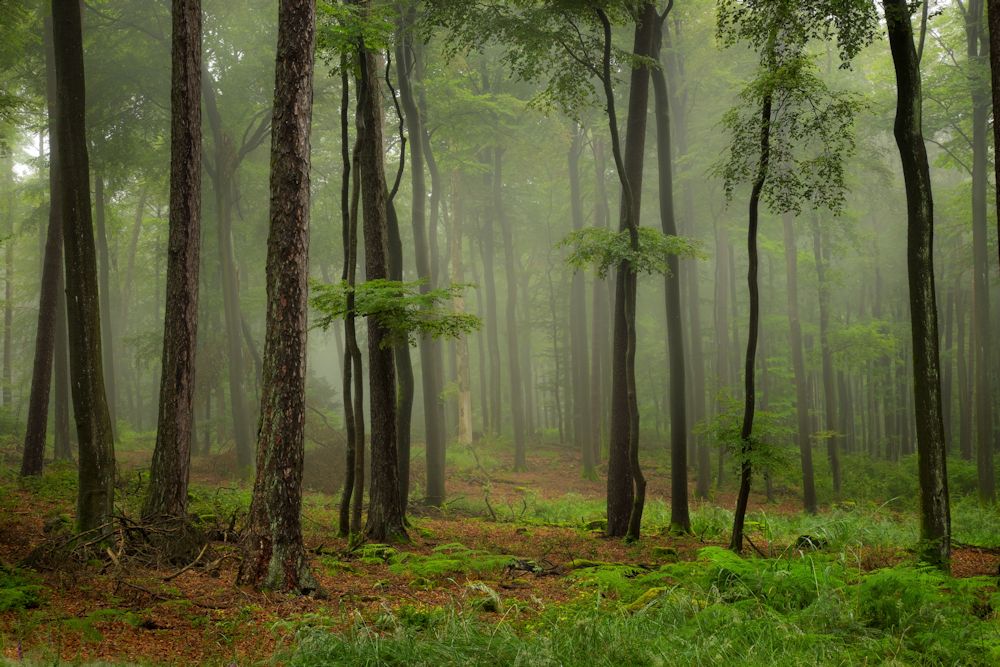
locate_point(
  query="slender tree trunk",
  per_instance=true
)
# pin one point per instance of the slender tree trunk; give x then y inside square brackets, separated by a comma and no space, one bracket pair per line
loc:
[385,510]
[404,365]
[723,375]
[601,306]
[798,367]
[964,393]
[274,556]
[95,493]
[829,397]
[491,318]
[169,473]
[462,374]
[749,397]
[431,360]
[63,447]
[513,349]
[680,520]
[8,313]
[947,357]
[104,278]
[935,518]
[993,12]
[47,329]
[579,363]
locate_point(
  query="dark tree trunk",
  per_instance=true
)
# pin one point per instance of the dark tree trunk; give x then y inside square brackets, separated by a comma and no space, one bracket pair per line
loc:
[274,554]
[749,397]
[964,393]
[680,520]
[47,330]
[95,494]
[431,361]
[626,484]
[935,518]
[829,397]
[63,447]
[993,12]
[404,365]
[798,367]
[169,472]
[385,510]
[579,363]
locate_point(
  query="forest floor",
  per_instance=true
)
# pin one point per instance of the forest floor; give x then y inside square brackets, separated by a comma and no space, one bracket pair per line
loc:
[507,549]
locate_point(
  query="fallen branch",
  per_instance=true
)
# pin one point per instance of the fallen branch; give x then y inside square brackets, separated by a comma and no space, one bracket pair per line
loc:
[188,566]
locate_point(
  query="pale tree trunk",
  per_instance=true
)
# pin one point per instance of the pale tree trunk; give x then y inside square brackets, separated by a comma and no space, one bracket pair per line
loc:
[579,362]
[274,553]
[458,306]
[104,279]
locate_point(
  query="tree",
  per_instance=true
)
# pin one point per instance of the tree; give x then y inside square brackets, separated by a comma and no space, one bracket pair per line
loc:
[789,138]
[47,331]
[95,495]
[169,472]
[935,517]
[274,554]
[385,511]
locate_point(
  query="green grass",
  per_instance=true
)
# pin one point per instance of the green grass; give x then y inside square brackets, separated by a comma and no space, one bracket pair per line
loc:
[718,610]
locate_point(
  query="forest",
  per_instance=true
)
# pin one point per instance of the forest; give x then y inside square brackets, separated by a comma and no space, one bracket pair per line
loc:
[517,332]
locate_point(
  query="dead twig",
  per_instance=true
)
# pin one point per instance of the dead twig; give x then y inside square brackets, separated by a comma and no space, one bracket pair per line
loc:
[188,566]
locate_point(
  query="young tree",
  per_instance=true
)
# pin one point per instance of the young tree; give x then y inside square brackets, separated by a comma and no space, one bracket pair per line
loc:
[169,472]
[790,136]
[95,495]
[275,556]
[935,517]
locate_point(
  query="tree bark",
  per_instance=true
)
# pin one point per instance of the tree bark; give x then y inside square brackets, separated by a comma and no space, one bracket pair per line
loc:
[104,285]
[462,373]
[274,554]
[385,510]
[829,397]
[680,519]
[95,494]
[170,469]
[935,518]
[47,329]
[601,309]
[579,362]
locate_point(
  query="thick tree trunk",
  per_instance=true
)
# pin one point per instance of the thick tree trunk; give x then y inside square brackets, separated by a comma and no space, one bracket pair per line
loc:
[95,494]
[47,329]
[798,367]
[169,472]
[935,518]
[680,520]
[385,510]
[274,554]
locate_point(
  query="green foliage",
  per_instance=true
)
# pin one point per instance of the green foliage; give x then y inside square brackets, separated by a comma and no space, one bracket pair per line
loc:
[340,27]
[403,307]
[604,249]
[19,589]
[769,431]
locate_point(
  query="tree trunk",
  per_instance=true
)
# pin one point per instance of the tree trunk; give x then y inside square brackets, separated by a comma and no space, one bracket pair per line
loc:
[492,333]
[95,493]
[798,367]
[749,397]
[680,520]
[385,510]
[993,12]
[462,374]
[404,365]
[513,349]
[47,330]
[104,279]
[431,360]
[829,397]
[935,518]
[601,307]
[169,472]
[579,363]
[274,554]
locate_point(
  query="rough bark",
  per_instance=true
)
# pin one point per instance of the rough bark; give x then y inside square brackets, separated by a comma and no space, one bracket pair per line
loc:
[935,518]
[95,494]
[170,469]
[274,555]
